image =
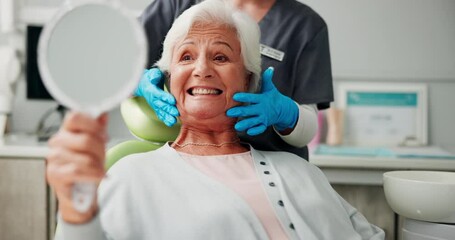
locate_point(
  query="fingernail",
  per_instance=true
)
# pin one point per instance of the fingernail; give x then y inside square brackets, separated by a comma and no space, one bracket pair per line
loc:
[155,73]
[171,99]
[174,112]
[232,113]
[238,127]
[169,123]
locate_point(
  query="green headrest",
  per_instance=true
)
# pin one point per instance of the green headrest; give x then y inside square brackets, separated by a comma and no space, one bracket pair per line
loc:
[142,121]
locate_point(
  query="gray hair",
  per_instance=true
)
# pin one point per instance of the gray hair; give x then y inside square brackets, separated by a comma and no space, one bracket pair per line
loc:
[219,12]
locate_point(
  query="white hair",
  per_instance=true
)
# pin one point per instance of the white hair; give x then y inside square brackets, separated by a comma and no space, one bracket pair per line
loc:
[223,13]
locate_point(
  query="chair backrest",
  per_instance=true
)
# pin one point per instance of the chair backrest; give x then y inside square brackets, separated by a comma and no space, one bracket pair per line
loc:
[123,149]
[143,123]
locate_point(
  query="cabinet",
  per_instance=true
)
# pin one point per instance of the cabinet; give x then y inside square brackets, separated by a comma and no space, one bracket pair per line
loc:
[27,207]
[359,181]
[371,202]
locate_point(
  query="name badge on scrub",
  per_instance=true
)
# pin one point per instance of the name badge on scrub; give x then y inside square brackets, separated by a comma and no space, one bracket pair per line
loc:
[271,52]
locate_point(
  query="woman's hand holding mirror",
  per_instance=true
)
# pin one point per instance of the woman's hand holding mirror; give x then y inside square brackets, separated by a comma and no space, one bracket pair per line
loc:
[77,155]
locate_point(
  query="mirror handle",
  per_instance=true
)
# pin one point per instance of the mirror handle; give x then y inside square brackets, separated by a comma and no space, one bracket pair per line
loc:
[83,195]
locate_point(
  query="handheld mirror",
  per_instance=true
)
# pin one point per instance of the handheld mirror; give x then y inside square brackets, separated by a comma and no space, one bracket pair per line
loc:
[91,57]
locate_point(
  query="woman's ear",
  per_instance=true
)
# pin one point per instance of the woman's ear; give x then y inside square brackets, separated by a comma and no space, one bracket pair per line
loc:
[248,82]
[167,81]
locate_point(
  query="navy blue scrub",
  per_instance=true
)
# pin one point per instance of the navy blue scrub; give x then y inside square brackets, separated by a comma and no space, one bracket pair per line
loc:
[291,28]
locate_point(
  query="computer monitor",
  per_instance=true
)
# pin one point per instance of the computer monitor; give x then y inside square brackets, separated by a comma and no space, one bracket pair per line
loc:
[35,86]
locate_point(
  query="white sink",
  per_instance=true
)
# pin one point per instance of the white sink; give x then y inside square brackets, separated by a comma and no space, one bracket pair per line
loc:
[421,195]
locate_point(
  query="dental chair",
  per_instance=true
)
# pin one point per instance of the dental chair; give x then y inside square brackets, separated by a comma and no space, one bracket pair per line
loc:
[142,122]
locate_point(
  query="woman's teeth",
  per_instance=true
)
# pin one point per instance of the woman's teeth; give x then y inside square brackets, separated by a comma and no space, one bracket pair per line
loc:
[205,91]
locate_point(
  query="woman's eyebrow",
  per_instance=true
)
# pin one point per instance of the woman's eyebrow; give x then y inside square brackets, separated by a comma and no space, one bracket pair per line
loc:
[224,43]
[186,43]
[189,42]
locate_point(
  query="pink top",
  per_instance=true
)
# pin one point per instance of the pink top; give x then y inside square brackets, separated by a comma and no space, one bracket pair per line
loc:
[238,173]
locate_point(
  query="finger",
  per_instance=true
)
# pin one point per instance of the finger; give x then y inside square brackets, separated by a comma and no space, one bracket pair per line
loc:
[70,173]
[160,94]
[61,156]
[166,118]
[66,167]
[247,97]
[138,91]
[79,142]
[248,123]
[256,130]
[170,109]
[267,83]
[80,122]
[155,76]
[245,111]
[103,119]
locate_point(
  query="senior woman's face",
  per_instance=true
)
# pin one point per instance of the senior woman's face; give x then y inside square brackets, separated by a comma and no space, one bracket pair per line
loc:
[206,70]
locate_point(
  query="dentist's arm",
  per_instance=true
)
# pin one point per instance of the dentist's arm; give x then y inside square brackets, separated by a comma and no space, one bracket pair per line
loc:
[77,154]
[305,128]
[296,124]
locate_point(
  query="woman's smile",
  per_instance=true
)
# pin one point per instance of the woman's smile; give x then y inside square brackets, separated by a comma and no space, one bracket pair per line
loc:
[204,91]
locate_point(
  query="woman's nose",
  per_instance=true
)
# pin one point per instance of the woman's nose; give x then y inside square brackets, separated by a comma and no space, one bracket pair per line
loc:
[203,68]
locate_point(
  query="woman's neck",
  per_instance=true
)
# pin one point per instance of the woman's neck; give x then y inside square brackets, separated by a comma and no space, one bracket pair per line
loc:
[203,142]
[257,9]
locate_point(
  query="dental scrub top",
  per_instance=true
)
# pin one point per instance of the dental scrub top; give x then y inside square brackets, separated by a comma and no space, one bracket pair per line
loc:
[158,195]
[294,40]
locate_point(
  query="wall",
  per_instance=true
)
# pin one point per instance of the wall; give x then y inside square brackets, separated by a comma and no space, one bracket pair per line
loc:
[391,41]
[408,40]
[26,114]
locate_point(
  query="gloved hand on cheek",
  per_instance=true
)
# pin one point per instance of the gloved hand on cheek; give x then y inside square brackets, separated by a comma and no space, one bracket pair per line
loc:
[267,108]
[151,88]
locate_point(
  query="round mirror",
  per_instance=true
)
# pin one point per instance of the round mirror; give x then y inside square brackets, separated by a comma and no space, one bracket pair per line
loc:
[91,57]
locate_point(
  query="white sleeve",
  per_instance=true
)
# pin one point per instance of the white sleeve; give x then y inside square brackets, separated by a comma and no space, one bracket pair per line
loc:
[361,225]
[305,128]
[88,231]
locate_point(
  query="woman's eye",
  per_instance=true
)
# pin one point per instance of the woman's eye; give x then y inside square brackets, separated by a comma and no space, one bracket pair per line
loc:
[221,58]
[185,57]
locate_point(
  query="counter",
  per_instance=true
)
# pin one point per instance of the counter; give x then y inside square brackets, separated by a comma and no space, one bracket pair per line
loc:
[369,170]
[22,146]
[27,146]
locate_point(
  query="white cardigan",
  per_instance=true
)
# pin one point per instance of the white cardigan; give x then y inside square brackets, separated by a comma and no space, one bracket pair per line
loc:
[157,195]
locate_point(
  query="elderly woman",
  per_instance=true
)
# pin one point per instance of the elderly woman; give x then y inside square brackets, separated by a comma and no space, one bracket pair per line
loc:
[206,184]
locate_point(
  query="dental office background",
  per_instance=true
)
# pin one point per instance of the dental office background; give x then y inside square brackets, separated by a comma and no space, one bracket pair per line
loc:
[409,41]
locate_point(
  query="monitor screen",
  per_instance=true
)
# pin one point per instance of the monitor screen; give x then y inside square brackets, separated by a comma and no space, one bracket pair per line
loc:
[35,86]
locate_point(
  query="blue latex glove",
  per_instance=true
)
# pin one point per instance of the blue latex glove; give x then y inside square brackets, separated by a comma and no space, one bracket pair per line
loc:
[269,107]
[151,88]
